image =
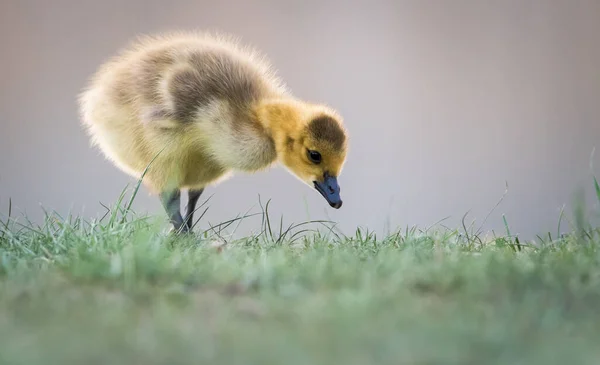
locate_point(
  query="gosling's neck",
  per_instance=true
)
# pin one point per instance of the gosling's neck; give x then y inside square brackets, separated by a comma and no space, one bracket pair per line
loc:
[282,119]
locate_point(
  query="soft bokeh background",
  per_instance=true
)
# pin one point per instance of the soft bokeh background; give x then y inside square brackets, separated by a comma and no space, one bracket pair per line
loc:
[445,102]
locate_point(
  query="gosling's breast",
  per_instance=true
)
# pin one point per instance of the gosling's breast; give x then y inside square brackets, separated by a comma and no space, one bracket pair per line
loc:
[233,139]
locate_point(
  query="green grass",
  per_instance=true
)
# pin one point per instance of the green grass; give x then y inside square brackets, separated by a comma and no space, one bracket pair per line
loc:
[119,290]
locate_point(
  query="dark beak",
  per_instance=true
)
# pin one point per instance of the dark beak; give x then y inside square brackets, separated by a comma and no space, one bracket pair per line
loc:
[330,190]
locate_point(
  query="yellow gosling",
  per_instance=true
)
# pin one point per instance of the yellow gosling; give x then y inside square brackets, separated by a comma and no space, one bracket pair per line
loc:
[202,106]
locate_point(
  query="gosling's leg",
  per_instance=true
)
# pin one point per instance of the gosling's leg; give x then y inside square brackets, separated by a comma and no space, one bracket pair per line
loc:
[193,196]
[171,201]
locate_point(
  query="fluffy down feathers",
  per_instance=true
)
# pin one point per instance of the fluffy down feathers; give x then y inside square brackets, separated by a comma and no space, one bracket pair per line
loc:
[203,106]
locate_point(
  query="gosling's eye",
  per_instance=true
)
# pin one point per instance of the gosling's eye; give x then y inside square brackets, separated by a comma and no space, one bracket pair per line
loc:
[314,156]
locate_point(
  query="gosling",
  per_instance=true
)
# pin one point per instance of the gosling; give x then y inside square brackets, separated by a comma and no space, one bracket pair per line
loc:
[192,108]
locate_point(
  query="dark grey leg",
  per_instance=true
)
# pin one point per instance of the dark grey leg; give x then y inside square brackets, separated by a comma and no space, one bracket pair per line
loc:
[171,201]
[193,196]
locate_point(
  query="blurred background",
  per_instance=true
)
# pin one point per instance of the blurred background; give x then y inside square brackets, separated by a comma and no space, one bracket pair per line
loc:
[445,101]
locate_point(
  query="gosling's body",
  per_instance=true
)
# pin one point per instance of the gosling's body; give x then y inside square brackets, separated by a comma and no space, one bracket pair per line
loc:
[147,100]
[197,107]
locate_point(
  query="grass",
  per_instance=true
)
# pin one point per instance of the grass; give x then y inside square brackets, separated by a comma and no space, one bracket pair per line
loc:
[118,290]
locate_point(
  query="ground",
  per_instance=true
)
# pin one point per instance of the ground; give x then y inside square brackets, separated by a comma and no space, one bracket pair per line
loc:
[121,291]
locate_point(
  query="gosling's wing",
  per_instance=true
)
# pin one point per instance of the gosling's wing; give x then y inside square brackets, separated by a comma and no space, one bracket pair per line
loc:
[157,116]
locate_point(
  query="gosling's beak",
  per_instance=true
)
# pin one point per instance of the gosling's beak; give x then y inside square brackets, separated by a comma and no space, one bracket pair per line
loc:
[330,190]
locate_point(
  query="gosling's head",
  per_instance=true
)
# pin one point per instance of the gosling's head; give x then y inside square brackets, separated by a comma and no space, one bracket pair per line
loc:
[314,149]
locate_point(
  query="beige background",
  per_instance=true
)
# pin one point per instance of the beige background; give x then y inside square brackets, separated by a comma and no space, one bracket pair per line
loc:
[445,101]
